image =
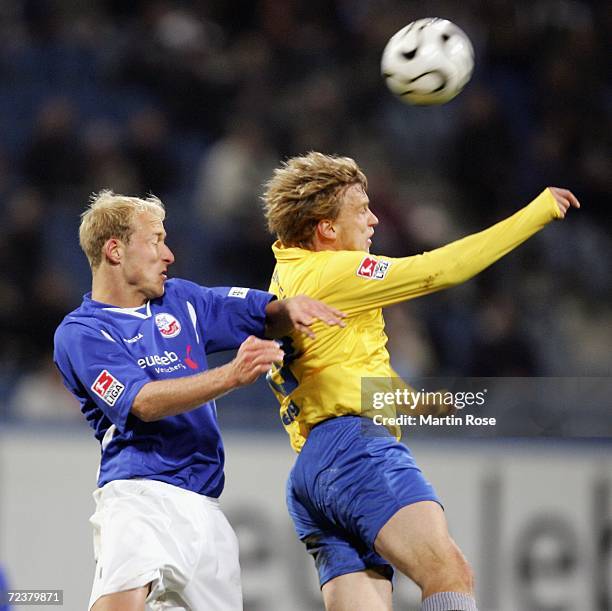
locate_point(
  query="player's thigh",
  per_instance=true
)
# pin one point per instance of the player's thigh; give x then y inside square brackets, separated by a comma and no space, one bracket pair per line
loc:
[145,532]
[215,584]
[335,551]
[362,591]
[130,600]
[364,482]
[416,540]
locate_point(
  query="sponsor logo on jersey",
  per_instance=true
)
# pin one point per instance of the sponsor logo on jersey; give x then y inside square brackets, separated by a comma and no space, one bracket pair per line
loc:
[372,268]
[168,362]
[190,362]
[108,387]
[133,339]
[238,291]
[167,325]
[152,360]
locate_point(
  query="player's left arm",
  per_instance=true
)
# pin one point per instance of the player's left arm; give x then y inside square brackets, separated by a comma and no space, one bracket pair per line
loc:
[226,316]
[299,313]
[356,281]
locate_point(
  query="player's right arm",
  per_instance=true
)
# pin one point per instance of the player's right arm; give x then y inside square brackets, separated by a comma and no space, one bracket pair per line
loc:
[161,398]
[91,360]
[355,281]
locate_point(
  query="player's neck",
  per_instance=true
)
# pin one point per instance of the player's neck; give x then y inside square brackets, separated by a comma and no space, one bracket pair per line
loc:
[114,292]
[317,245]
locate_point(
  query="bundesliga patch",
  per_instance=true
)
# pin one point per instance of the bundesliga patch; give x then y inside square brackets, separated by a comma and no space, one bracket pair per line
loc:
[108,387]
[372,268]
[167,325]
[238,291]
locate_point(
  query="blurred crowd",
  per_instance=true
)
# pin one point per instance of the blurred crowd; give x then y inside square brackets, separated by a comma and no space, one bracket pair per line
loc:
[198,101]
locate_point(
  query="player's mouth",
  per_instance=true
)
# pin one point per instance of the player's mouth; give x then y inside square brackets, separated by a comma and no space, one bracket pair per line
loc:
[164,275]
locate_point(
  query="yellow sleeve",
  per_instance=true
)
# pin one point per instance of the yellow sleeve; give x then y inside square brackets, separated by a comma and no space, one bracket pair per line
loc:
[354,281]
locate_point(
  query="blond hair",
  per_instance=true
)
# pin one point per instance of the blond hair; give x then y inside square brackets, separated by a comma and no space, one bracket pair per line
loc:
[110,215]
[305,190]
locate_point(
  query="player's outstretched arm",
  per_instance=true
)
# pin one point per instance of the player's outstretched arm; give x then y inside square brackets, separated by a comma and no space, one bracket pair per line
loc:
[162,398]
[299,313]
[463,259]
[357,283]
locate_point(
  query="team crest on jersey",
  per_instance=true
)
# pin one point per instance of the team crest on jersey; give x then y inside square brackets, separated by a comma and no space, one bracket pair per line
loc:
[372,268]
[108,387]
[167,325]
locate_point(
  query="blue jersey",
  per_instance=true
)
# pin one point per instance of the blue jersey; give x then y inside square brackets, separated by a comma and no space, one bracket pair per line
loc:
[107,354]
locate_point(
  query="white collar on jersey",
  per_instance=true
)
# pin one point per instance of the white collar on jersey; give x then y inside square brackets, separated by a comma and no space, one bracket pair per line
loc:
[134,311]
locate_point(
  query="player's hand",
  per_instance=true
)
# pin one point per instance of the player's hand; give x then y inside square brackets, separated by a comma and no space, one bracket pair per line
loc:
[565,200]
[255,356]
[303,311]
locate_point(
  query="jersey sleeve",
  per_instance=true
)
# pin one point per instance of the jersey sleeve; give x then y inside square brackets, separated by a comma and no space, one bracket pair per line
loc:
[230,314]
[355,281]
[93,362]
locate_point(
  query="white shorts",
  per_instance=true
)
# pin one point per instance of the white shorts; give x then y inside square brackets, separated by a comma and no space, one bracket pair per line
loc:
[147,531]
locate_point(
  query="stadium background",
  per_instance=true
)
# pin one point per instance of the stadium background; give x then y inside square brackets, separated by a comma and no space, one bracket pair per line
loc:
[197,102]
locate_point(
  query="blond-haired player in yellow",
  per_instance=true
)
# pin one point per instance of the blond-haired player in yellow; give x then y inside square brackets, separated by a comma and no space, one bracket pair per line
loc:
[358,500]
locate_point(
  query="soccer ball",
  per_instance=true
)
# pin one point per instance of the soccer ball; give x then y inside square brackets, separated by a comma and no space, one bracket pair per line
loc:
[429,61]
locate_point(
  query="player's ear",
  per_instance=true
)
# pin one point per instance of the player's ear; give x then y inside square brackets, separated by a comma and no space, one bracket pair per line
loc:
[113,250]
[326,229]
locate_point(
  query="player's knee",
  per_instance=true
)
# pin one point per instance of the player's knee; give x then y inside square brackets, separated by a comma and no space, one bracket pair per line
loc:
[448,572]
[459,570]
[465,573]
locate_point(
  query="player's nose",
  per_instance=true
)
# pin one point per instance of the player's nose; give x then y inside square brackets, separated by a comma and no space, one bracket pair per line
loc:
[373,220]
[168,256]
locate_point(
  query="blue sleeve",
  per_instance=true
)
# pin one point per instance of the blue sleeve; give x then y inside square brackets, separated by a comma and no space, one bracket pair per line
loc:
[93,363]
[229,315]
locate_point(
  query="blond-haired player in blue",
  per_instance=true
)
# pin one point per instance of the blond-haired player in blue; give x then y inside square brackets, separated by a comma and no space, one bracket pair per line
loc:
[358,500]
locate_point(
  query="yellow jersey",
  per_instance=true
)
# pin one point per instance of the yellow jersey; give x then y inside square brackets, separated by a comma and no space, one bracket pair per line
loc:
[321,378]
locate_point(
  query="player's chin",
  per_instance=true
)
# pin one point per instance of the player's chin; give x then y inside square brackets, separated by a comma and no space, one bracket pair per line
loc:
[157,291]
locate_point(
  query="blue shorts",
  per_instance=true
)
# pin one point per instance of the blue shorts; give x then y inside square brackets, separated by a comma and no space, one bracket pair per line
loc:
[350,478]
